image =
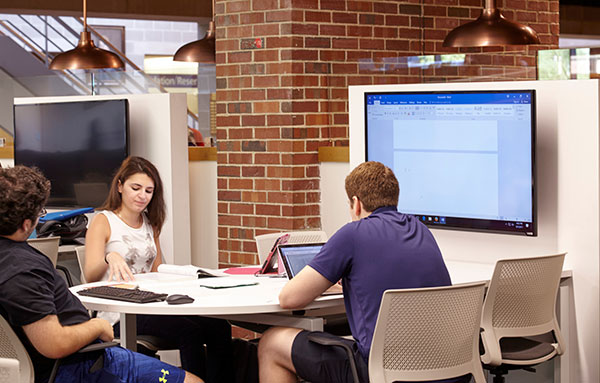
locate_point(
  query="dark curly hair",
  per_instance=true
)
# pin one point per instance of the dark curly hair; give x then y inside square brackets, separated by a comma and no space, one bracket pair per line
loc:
[374,184]
[23,193]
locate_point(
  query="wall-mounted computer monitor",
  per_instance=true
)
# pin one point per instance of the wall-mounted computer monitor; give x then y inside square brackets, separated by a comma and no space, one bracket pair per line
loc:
[464,159]
[77,145]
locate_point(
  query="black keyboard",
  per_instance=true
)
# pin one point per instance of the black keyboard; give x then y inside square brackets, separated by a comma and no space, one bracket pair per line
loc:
[121,294]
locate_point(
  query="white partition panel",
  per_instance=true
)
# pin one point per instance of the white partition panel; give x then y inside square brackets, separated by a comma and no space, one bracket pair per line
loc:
[158,132]
[567,156]
[335,211]
[203,213]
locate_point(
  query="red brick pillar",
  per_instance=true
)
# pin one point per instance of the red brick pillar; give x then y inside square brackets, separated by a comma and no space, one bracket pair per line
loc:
[283,71]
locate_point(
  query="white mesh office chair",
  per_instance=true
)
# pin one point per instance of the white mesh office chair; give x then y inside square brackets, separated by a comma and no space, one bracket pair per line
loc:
[80,252]
[15,364]
[519,324]
[49,247]
[151,344]
[265,242]
[426,334]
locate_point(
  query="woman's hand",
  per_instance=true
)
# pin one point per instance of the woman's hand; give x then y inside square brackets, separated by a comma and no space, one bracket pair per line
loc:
[118,268]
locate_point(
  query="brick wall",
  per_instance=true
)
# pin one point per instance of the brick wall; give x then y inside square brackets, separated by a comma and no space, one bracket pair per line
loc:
[283,71]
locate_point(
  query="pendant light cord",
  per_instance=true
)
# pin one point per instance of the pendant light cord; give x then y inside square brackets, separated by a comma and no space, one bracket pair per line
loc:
[85,15]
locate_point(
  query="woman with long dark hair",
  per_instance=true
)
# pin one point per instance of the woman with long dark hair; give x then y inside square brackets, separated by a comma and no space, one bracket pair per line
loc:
[123,240]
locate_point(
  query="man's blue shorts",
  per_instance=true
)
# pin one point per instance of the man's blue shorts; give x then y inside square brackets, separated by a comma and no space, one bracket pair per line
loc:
[120,365]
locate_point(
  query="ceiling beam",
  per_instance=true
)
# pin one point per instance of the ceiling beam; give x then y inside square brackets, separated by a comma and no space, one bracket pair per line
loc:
[181,10]
[579,20]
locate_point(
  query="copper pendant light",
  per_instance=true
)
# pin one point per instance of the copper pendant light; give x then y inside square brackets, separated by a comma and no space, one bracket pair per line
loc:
[491,28]
[200,51]
[86,55]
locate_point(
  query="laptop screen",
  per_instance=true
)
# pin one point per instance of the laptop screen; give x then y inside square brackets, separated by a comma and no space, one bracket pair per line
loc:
[295,257]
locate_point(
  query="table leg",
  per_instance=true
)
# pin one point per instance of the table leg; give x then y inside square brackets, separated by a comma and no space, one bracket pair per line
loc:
[128,326]
[562,364]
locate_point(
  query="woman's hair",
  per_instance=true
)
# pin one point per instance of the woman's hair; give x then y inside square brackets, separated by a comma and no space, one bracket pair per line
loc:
[156,210]
[374,184]
[23,193]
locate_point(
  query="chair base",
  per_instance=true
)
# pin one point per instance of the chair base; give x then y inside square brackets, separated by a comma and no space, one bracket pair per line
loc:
[499,372]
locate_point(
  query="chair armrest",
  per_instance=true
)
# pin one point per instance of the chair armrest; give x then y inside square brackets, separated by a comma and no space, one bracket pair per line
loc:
[89,348]
[334,342]
[492,355]
[155,343]
[97,346]
[67,274]
[9,369]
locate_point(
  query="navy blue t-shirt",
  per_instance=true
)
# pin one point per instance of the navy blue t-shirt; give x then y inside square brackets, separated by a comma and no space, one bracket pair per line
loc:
[31,289]
[386,250]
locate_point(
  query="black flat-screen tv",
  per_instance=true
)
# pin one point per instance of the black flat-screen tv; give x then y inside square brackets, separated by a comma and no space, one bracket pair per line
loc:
[464,159]
[77,145]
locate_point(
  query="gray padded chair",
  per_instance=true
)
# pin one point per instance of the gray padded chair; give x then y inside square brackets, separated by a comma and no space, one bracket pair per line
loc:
[425,334]
[519,324]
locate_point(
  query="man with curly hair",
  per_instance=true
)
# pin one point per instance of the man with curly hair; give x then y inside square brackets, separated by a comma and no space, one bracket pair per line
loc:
[48,319]
[381,249]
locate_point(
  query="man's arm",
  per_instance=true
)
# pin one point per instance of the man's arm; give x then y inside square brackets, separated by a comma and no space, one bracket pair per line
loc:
[303,289]
[55,341]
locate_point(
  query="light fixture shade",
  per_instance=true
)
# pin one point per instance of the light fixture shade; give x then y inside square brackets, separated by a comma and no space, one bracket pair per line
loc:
[86,56]
[200,51]
[491,28]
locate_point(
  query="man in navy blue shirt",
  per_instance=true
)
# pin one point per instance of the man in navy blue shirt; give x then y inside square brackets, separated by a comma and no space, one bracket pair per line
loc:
[380,249]
[48,319]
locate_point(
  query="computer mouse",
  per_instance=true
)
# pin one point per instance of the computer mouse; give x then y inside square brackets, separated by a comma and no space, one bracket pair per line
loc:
[179,299]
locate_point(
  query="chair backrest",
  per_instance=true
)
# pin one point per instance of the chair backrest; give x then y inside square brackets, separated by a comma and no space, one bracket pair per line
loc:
[12,348]
[48,246]
[80,252]
[428,334]
[265,242]
[521,302]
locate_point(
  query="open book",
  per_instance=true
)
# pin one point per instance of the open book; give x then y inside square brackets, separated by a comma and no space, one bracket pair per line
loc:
[190,270]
